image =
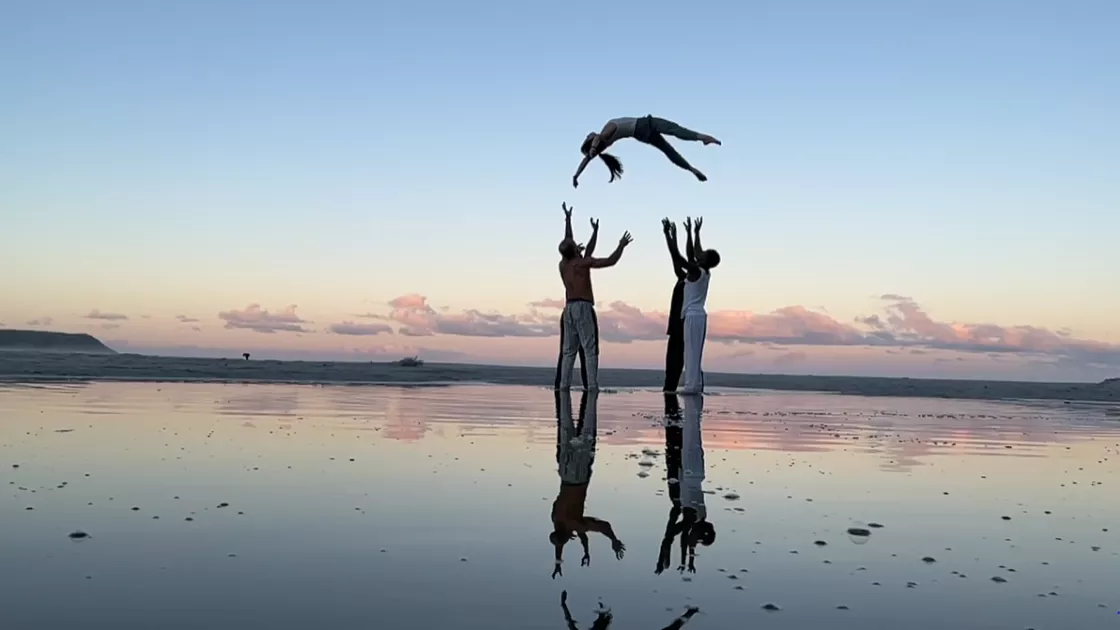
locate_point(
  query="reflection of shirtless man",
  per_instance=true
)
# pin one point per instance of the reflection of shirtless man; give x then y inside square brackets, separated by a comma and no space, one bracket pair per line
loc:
[575,453]
[581,327]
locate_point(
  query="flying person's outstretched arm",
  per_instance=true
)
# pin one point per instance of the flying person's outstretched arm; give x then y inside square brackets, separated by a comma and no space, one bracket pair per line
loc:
[579,171]
[594,239]
[609,261]
[567,613]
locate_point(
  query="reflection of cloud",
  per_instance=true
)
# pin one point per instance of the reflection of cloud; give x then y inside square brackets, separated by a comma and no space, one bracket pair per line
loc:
[97,314]
[183,319]
[254,318]
[41,321]
[110,326]
[902,323]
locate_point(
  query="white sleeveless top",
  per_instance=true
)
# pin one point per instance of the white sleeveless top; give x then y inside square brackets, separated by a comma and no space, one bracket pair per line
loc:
[625,126]
[696,295]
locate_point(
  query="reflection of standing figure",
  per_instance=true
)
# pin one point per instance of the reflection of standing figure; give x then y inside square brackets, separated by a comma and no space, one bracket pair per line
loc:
[693,527]
[575,454]
[603,616]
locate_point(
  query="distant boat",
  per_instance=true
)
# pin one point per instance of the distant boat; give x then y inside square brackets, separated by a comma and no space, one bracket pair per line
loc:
[411,362]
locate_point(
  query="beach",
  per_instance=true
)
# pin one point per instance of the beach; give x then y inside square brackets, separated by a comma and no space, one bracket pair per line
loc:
[55,367]
[226,505]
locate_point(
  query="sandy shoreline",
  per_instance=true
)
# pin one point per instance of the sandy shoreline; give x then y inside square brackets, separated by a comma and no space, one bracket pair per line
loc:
[48,367]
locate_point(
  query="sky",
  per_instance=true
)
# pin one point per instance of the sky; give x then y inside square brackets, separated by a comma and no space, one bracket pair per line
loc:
[904,188]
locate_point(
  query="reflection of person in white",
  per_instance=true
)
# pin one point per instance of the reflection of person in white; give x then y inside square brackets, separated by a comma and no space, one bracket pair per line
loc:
[697,529]
[699,264]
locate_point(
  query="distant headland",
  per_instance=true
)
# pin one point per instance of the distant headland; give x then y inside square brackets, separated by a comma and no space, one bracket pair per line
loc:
[45,341]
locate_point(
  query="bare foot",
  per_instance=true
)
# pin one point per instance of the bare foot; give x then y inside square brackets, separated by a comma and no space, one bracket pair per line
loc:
[710,140]
[700,176]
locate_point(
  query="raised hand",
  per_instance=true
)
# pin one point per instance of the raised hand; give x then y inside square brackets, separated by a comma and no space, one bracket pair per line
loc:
[625,240]
[688,223]
[699,222]
[665,223]
[567,210]
[594,224]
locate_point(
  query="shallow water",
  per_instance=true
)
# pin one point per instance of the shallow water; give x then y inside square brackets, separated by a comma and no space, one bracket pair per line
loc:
[431,507]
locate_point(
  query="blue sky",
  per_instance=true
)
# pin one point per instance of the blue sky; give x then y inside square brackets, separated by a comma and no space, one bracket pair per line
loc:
[196,157]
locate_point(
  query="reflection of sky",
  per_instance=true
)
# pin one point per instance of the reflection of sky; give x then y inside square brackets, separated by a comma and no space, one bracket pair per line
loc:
[441,474]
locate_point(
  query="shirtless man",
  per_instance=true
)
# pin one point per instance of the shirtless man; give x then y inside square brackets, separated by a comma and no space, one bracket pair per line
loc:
[581,327]
[575,454]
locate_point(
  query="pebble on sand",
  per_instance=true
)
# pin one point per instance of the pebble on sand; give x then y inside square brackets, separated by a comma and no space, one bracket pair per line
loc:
[859,531]
[771,607]
[78,535]
[928,560]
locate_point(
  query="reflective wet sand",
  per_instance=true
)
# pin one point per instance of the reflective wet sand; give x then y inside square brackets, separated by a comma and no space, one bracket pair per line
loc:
[284,506]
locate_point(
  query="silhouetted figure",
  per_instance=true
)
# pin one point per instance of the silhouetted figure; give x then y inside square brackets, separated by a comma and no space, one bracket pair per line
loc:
[699,264]
[581,327]
[646,129]
[674,350]
[603,616]
[575,454]
[246,355]
[687,473]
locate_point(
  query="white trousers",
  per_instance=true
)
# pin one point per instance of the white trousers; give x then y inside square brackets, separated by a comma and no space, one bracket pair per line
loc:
[695,330]
[581,330]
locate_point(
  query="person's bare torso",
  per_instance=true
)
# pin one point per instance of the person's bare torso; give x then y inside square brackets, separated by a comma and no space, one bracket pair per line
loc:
[568,508]
[577,281]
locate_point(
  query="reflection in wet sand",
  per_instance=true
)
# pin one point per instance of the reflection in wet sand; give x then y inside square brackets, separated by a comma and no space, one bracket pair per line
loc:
[305,506]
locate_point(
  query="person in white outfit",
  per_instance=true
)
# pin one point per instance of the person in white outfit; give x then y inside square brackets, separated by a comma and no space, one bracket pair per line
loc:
[581,328]
[699,265]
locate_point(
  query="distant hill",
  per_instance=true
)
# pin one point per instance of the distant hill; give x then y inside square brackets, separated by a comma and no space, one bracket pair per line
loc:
[43,341]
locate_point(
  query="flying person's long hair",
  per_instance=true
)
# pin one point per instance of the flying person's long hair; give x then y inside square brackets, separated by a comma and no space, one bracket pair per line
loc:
[614,165]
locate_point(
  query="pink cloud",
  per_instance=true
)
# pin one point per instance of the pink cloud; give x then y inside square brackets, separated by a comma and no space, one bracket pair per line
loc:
[40,321]
[901,324]
[351,328]
[254,318]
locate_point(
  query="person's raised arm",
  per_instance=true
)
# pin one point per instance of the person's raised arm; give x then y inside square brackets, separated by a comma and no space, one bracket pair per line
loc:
[594,239]
[604,528]
[567,220]
[689,250]
[679,264]
[609,261]
[699,222]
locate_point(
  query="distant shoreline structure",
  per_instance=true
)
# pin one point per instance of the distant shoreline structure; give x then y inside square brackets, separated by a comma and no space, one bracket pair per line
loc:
[38,366]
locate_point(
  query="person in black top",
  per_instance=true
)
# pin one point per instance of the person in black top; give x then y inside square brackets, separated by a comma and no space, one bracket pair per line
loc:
[674,353]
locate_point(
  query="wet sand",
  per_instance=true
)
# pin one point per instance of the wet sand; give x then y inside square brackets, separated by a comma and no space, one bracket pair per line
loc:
[56,367]
[367,507]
